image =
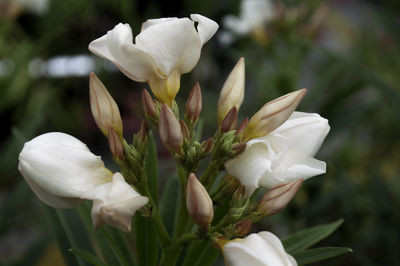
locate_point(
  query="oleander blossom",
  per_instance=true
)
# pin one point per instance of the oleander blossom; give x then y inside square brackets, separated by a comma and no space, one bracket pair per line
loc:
[261,249]
[282,156]
[163,50]
[62,172]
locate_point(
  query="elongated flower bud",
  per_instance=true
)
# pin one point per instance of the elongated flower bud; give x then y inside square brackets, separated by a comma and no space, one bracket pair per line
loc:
[185,130]
[194,104]
[243,227]
[277,198]
[232,92]
[149,107]
[198,202]
[230,121]
[115,145]
[170,129]
[104,109]
[143,131]
[241,127]
[272,115]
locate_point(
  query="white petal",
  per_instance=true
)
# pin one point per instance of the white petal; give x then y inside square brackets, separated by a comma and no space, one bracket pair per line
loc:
[171,43]
[115,203]
[49,198]
[259,249]
[251,165]
[61,165]
[151,22]
[117,46]
[206,27]
[305,132]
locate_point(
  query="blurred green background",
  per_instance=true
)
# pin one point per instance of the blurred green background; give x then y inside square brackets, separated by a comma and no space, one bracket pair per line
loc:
[347,53]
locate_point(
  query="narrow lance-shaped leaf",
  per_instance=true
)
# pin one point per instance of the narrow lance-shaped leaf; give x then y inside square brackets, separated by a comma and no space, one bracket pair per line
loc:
[318,254]
[304,239]
[87,256]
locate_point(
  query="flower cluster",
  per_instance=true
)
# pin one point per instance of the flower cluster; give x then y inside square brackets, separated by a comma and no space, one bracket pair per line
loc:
[274,149]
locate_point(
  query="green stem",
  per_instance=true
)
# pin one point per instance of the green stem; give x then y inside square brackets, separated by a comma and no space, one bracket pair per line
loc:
[209,175]
[170,255]
[183,216]
[156,218]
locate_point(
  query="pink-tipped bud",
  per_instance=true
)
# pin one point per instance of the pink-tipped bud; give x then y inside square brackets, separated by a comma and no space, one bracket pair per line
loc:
[243,227]
[149,107]
[206,146]
[115,145]
[143,131]
[232,92]
[198,202]
[277,198]
[238,148]
[273,114]
[242,126]
[185,130]
[104,109]
[194,104]
[170,129]
[230,121]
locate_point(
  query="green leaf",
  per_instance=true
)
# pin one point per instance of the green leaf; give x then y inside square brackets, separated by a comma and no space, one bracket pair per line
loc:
[304,239]
[89,257]
[317,254]
[106,238]
[152,168]
[146,240]
[169,202]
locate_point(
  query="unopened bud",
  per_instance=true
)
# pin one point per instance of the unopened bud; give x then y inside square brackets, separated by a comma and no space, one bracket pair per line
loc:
[239,193]
[230,121]
[194,104]
[238,148]
[143,131]
[170,129]
[243,227]
[198,203]
[272,115]
[149,107]
[104,109]
[206,146]
[115,145]
[277,198]
[232,92]
[185,130]
[242,126]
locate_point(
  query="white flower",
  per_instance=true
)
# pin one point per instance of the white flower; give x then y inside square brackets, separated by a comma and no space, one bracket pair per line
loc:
[283,155]
[114,203]
[253,16]
[164,49]
[62,172]
[261,249]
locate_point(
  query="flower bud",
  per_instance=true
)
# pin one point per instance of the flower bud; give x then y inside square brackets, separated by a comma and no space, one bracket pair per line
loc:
[272,115]
[243,227]
[149,107]
[238,148]
[230,121]
[115,145]
[232,92]
[206,146]
[242,126]
[170,129]
[143,131]
[185,130]
[277,198]
[194,104]
[104,109]
[198,202]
